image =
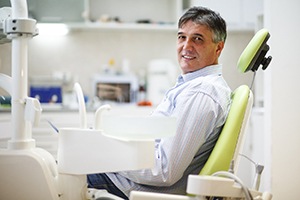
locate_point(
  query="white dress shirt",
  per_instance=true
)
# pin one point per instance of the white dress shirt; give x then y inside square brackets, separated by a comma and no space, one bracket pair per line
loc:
[200,101]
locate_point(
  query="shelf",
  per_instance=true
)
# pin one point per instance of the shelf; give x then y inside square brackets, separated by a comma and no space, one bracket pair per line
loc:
[120,26]
[94,26]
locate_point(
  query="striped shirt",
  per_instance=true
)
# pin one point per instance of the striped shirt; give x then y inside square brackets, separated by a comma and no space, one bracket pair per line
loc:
[200,101]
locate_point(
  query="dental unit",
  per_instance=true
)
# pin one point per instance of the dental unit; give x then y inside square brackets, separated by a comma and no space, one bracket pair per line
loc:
[28,172]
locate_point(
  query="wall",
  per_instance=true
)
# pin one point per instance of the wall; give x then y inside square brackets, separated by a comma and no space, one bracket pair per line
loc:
[283,97]
[83,53]
[235,44]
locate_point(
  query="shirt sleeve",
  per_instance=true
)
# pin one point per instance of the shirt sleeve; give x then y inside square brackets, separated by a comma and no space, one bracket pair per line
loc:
[197,115]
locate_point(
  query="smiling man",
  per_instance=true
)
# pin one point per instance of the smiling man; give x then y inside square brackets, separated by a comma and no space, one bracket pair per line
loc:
[200,101]
[200,40]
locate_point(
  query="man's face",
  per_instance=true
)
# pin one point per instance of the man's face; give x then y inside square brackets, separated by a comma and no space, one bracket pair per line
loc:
[195,47]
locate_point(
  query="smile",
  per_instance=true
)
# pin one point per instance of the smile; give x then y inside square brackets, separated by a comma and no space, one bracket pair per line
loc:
[188,57]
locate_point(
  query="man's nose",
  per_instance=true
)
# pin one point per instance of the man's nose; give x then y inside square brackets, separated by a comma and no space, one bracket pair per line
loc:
[187,44]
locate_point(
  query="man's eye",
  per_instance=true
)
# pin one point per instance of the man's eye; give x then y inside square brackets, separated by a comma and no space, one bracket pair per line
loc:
[181,37]
[198,39]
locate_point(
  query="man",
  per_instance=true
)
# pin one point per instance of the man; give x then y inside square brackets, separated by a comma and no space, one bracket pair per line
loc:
[200,100]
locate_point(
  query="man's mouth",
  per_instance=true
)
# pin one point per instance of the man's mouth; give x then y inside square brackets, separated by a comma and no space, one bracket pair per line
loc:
[188,57]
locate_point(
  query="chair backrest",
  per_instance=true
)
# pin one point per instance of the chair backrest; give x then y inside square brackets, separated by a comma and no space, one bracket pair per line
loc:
[231,138]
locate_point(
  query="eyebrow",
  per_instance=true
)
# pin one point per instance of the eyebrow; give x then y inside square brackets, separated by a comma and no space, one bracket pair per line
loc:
[200,35]
[195,34]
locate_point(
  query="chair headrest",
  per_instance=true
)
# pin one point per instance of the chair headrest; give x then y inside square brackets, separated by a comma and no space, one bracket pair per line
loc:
[254,54]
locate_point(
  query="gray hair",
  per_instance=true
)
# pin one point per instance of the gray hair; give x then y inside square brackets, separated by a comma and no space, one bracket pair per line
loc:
[205,16]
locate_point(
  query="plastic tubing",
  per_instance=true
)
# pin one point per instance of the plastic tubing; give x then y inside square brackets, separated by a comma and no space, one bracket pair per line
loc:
[81,105]
[234,177]
[98,113]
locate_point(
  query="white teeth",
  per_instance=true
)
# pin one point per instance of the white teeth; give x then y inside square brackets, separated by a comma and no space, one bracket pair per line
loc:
[188,57]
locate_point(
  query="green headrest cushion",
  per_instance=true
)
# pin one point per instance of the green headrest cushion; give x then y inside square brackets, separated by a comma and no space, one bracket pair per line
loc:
[254,53]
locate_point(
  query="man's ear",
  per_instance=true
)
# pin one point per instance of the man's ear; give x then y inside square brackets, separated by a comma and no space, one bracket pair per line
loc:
[219,48]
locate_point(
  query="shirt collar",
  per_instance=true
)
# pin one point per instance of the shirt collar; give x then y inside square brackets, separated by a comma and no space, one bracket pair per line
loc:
[209,70]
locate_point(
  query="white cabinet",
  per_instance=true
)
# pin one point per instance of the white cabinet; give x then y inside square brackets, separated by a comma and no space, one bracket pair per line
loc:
[164,14]
[239,14]
[55,11]
[109,14]
[132,14]
[140,14]
[133,11]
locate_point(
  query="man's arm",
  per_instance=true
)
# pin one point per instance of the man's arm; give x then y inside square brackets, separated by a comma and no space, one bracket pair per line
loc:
[197,115]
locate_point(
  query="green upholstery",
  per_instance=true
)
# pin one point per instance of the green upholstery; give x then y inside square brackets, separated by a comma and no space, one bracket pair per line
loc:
[254,54]
[224,150]
[229,142]
[231,137]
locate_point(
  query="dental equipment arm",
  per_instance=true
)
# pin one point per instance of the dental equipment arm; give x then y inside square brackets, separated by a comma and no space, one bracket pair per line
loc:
[18,28]
[24,168]
[97,123]
[81,105]
[258,171]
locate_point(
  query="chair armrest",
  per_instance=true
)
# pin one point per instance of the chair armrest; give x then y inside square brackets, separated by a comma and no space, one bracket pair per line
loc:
[138,195]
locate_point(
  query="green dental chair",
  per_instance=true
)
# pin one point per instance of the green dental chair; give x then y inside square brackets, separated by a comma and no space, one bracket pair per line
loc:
[232,137]
[229,145]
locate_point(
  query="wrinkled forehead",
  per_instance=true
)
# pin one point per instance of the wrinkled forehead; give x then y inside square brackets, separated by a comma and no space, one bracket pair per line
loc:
[194,28]
[194,24]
